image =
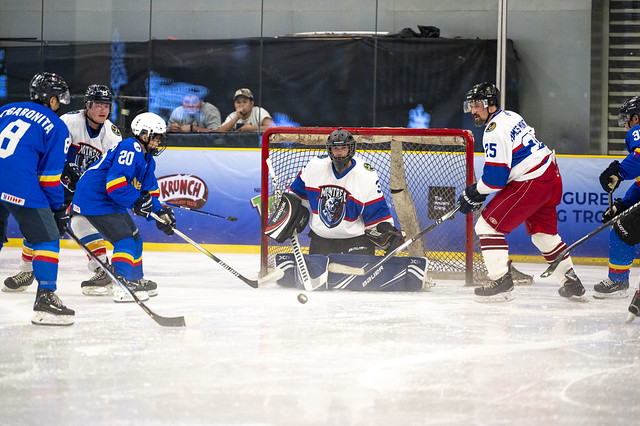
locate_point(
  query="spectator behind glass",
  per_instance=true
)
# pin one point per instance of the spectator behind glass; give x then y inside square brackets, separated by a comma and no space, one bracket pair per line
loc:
[194,116]
[246,117]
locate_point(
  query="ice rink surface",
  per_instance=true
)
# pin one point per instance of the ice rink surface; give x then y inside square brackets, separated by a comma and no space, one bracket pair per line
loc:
[261,358]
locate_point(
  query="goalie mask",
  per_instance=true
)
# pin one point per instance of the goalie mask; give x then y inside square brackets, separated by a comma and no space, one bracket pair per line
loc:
[153,125]
[289,216]
[44,85]
[341,137]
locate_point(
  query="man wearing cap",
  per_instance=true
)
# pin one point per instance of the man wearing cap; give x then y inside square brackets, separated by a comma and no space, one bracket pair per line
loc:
[246,117]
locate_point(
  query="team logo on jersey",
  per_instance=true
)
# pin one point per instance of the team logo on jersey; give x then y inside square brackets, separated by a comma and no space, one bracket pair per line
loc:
[492,126]
[183,190]
[332,205]
[86,156]
[368,167]
[115,130]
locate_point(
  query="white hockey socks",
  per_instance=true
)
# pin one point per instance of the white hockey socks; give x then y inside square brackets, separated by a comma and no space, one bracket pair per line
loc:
[495,249]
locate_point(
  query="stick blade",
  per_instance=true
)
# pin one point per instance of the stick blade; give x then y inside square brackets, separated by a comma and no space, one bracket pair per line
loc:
[338,268]
[271,277]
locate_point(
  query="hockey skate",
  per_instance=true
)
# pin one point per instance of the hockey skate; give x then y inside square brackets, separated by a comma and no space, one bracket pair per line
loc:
[18,282]
[150,286]
[520,278]
[98,285]
[607,289]
[634,307]
[499,290]
[49,310]
[120,295]
[572,289]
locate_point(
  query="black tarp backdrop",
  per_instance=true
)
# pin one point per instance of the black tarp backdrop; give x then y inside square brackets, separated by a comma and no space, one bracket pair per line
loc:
[315,81]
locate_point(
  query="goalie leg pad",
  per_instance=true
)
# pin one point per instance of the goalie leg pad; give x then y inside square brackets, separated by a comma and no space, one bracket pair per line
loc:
[288,216]
[628,228]
[397,274]
[316,264]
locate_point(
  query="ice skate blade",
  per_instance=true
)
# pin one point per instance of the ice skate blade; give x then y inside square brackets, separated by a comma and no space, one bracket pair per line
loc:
[14,290]
[97,291]
[497,298]
[622,294]
[46,318]
[630,317]
[121,296]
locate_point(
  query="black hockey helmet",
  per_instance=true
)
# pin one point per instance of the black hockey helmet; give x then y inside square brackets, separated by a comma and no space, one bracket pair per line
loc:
[341,137]
[98,93]
[629,107]
[46,84]
[487,93]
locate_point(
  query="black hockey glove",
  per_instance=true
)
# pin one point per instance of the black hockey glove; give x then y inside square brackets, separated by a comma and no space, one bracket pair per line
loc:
[168,220]
[610,179]
[61,217]
[471,200]
[386,236]
[618,207]
[70,175]
[143,205]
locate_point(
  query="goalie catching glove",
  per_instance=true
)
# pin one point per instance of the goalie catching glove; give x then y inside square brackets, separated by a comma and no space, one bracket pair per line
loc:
[289,216]
[471,200]
[386,236]
[168,220]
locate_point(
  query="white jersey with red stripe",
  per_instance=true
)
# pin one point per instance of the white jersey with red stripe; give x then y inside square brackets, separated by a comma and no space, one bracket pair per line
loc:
[512,152]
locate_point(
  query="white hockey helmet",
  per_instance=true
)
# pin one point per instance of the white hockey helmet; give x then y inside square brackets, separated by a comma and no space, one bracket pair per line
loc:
[153,125]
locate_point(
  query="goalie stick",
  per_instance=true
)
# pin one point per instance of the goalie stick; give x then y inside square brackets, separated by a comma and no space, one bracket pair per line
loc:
[309,283]
[553,265]
[350,270]
[229,218]
[182,321]
[273,276]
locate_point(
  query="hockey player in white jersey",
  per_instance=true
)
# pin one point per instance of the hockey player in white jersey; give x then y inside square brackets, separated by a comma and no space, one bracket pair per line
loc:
[92,134]
[523,174]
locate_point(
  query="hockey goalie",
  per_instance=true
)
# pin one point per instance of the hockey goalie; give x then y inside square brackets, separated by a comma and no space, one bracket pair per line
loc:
[338,195]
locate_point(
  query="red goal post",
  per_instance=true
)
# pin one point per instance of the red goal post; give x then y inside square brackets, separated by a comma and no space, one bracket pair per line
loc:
[421,171]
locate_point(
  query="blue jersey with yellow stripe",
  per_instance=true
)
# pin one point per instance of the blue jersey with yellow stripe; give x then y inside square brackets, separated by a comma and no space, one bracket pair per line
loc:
[116,181]
[630,166]
[33,145]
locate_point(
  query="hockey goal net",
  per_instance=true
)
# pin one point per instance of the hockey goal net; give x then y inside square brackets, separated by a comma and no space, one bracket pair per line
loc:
[422,172]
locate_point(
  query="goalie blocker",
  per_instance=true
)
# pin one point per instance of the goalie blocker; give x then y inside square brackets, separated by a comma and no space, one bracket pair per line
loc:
[289,215]
[398,274]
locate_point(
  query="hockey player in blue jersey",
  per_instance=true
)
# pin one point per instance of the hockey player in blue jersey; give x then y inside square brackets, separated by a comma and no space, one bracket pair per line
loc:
[92,134]
[33,145]
[124,179]
[624,234]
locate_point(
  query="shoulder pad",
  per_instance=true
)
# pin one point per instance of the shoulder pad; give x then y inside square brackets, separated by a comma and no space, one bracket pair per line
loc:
[115,130]
[369,167]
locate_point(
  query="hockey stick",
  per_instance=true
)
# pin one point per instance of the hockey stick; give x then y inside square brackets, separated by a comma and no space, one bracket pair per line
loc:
[309,283]
[163,321]
[553,265]
[230,218]
[274,276]
[350,270]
